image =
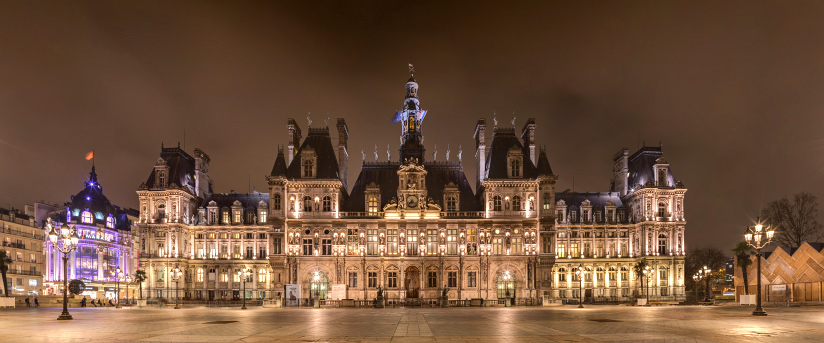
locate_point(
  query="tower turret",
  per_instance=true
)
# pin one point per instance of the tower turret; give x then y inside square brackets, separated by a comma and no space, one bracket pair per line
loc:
[411,117]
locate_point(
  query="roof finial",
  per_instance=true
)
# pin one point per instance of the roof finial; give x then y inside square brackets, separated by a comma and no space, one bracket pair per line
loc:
[513,118]
[447,152]
[411,70]
[460,152]
[309,119]
[376,152]
[388,153]
[495,118]
[326,122]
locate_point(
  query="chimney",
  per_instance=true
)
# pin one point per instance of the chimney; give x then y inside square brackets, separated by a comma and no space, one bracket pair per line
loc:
[528,136]
[480,149]
[343,154]
[294,138]
[620,170]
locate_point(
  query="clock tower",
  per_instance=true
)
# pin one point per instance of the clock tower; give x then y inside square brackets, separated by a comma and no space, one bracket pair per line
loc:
[411,117]
[412,186]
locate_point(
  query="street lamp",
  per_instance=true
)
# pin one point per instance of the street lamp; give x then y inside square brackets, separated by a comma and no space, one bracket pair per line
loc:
[176,273]
[647,272]
[316,280]
[581,271]
[117,284]
[507,300]
[758,237]
[69,239]
[704,273]
[128,280]
[243,274]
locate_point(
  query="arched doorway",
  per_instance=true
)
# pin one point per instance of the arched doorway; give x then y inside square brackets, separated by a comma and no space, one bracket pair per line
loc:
[505,283]
[318,286]
[412,283]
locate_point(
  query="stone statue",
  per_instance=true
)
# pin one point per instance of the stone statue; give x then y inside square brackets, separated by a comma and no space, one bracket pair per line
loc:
[460,152]
[447,152]
[380,292]
[445,290]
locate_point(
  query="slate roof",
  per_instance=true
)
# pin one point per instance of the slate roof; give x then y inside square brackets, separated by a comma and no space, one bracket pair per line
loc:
[596,199]
[543,167]
[320,141]
[385,175]
[641,167]
[92,197]
[503,139]
[246,200]
[279,169]
[180,166]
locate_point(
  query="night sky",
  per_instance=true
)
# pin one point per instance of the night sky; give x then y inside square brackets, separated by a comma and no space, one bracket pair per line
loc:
[733,91]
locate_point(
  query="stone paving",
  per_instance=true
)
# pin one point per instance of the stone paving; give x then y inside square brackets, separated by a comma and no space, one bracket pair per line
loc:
[516,324]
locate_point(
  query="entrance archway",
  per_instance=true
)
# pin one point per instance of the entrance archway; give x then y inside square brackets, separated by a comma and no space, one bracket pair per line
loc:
[505,283]
[412,282]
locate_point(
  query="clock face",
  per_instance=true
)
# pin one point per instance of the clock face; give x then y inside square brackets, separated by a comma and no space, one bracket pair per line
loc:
[412,201]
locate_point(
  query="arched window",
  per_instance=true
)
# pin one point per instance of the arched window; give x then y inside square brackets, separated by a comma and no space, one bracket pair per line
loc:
[200,275]
[662,209]
[308,166]
[87,216]
[276,202]
[516,203]
[662,244]
[506,284]
[307,203]
[327,204]
[496,203]
[611,273]
[547,204]
[562,274]
[372,204]
[110,222]
[451,204]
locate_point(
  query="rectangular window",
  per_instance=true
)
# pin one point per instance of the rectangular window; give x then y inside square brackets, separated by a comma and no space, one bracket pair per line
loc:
[432,241]
[211,235]
[236,251]
[326,246]
[353,280]
[392,241]
[261,252]
[372,241]
[452,241]
[517,246]
[236,235]
[452,279]
[225,217]
[250,235]
[224,235]
[497,246]
[412,242]
[250,252]
[307,247]
[352,242]
[372,278]
[392,280]
[561,250]
[471,279]
[587,251]
[573,250]
[432,279]
[276,246]
[262,235]
[471,241]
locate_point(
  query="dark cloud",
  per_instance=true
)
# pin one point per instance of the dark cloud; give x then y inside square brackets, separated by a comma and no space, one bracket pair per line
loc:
[731,89]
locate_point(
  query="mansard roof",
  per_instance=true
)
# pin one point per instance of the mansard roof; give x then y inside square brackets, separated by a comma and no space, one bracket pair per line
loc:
[596,199]
[246,199]
[181,169]
[385,176]
[320,142]
[504,139]
[641,168]
[279,169]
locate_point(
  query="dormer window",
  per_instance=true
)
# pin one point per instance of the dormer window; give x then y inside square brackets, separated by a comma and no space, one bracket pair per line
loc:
[451,204]
[110,222]
[372,205]
[662,209]
[86,217]
[276,202]
[573,216]
[225,216]
[515,161]
[308,163]
[161,178]
[236,216]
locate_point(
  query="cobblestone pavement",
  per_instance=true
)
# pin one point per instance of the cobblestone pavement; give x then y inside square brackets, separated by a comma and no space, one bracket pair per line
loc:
[517,324]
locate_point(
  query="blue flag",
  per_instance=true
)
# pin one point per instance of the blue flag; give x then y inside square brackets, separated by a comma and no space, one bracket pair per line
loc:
[397,117]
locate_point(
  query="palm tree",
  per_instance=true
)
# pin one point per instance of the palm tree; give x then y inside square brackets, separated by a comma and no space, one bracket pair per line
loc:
[742,253]
[139,277]
[5,262]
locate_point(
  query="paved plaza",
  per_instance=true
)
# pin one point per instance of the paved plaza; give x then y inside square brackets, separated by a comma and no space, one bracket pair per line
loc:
[518,324]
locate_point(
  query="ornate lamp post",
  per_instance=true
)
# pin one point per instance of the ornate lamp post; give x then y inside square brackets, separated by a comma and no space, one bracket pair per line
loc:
[176,277]
[581,271]
[69,238]
[117,285]
[128,280]
[647,272]
[758,237]
[243,274]
[704,273]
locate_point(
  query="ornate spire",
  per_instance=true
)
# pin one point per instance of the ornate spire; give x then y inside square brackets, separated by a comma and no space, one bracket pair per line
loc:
[411,116]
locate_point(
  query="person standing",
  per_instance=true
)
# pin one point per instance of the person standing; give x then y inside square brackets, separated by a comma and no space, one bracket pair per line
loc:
[36,302]
[83,302]
[28,303]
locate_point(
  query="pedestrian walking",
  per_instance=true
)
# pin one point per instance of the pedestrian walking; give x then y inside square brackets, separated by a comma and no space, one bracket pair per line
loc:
[83,302]
[28,304]
[36,303]
[99,303]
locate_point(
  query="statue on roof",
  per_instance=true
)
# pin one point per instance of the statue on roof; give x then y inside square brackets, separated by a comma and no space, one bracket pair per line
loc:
[376,152]
[309,119]
[460,152]
[447,152]
[513,119]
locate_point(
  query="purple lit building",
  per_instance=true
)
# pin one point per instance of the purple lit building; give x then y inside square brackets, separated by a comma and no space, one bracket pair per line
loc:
[107,242]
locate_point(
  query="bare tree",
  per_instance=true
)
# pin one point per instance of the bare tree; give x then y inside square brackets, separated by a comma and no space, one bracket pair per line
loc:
[796,221]
[696,259]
